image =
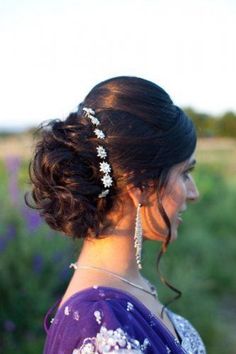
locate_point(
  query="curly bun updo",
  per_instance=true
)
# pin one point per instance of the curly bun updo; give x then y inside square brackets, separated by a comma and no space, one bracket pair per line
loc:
[146,134]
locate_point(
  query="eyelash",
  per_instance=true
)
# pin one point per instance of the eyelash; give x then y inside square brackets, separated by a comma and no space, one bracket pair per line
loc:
[186,173]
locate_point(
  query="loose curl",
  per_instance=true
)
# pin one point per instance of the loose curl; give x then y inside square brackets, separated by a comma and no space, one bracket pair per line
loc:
[65,179]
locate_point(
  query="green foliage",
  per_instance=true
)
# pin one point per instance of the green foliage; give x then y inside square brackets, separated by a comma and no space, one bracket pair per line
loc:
[210,126]
[201,263]
[34,272]
[227,125]
[34,264]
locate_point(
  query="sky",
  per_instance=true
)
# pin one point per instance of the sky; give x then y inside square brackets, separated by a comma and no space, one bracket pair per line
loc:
[52,52]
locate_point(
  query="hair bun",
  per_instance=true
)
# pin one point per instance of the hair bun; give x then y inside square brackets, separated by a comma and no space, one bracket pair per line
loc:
[64,176]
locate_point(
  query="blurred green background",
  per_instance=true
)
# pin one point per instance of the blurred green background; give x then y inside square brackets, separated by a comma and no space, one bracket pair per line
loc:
[34,260]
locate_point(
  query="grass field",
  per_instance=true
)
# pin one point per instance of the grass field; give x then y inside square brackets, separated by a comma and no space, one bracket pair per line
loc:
[34,259]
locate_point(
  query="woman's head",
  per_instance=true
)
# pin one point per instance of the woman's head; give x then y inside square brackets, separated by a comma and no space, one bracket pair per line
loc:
[179,190]
[146,136]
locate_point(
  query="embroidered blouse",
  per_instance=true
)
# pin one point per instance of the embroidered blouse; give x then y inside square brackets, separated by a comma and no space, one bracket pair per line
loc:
[108,320]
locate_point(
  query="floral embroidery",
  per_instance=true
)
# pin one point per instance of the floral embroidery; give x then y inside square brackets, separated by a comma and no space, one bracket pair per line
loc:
[191,340]
[130,306]
[87,349]
[98,316]
[168,350]
[67,311]
[145,344]
[76,315]
[152,319]
[101,293]
[111,341]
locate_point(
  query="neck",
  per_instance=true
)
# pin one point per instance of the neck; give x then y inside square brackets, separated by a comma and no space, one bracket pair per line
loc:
[114,253]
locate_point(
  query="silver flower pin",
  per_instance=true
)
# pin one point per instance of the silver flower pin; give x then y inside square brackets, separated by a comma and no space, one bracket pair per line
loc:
[88,110]
[99,133]
[107,181]
[103,193]
[94,120]
[101,152]
[105,167]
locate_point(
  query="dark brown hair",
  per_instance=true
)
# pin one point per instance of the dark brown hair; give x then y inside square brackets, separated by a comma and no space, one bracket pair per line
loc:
[146,134]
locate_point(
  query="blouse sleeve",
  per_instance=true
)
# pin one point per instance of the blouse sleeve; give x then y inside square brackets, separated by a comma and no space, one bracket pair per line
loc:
[94,327]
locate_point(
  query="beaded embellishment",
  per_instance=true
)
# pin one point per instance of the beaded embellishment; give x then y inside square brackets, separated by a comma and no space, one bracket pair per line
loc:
[111,341]
[101,153]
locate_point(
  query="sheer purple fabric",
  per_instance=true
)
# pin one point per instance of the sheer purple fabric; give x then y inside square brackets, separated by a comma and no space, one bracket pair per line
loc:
[106,320]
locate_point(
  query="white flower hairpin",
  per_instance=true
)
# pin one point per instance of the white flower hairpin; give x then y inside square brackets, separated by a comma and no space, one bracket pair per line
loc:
[101,152]
[99,133]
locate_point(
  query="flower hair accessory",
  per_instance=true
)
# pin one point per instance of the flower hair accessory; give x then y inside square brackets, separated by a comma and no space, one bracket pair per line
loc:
[101,152]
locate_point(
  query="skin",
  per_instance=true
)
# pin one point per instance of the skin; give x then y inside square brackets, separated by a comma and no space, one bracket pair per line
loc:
[180,190]
[116,252]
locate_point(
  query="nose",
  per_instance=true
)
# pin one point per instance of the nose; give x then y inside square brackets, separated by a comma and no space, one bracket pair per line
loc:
[193,193]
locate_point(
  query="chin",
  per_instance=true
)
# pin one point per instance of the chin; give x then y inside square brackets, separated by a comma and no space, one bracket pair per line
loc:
[174,237]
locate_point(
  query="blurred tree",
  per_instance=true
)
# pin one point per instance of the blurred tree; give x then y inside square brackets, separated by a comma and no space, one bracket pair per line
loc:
[206,125]
[227,125]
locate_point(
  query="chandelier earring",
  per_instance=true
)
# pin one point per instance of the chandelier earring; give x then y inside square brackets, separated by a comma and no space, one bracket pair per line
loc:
[138,237]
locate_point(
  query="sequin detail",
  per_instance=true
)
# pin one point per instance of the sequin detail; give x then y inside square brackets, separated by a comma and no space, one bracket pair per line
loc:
[76,316]
[168,351]
[130,306]
[67,311]
[152,319]
[191,341]
[111,341]
[98,316]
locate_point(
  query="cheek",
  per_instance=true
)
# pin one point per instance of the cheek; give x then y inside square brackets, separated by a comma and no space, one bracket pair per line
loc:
[153,224]
[175,199]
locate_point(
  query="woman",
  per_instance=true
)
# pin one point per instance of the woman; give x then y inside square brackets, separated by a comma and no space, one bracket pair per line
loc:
[115,173]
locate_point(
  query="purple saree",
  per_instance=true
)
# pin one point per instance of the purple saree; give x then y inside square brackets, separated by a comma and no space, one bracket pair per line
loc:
[107,320]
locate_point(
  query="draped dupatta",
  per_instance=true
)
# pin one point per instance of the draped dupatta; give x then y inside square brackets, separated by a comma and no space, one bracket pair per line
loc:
[107,320]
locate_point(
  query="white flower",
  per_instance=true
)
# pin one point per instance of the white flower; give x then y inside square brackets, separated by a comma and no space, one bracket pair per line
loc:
[75,351]
[88,348]
[88,110]
[129,306]
[94,120]
[111,341]
[99,133]
[107,181]
[105,167]
[76,315]
[101,152]
[67,311]
[98,316]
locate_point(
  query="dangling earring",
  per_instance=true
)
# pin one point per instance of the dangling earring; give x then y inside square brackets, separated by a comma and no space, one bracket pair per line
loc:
[138,236]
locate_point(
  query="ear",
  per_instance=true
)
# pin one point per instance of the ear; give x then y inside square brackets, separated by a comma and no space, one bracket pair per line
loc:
[138,195]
